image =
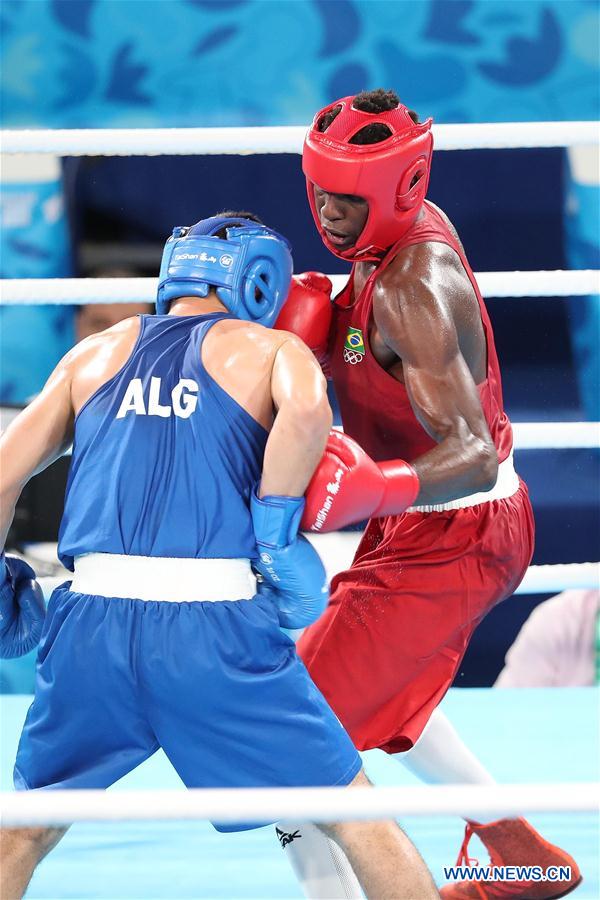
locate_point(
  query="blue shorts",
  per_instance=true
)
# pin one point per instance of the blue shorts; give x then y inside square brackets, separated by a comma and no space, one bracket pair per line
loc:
[217,685]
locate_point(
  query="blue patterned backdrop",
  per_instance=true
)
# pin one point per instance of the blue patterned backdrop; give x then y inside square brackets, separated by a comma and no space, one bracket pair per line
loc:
[86,63]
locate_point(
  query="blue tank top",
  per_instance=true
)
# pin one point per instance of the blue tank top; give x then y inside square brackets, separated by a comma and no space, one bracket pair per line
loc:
[164,460]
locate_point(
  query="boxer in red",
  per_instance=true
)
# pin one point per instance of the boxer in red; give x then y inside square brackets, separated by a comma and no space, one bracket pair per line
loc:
[412,356]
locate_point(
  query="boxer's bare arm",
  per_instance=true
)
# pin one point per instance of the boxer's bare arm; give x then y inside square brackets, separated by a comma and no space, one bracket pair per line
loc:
[38,436]
[302,422]
[269,371]
[44,430]
[414,318]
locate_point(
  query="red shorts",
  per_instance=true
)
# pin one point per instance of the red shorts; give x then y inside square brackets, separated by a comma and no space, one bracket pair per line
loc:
[388,646]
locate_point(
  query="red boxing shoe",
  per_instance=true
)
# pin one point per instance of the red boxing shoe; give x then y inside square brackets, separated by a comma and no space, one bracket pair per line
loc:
[513,842]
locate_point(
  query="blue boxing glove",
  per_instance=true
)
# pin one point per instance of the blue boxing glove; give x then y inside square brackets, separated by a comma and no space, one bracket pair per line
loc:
[22,608]
[288,563]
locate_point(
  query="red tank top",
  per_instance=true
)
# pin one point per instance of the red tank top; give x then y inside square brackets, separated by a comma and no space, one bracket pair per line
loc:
[375,407]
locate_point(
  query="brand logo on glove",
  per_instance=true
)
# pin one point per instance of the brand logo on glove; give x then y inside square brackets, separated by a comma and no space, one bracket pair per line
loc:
[354,346]
[286,837]
[226,260]
[267,560]
[332,489]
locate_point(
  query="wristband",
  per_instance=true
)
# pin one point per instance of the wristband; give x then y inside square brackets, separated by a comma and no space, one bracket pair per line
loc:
[276,520]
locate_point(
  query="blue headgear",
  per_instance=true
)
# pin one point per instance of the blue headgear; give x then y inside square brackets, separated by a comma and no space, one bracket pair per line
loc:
[251,268]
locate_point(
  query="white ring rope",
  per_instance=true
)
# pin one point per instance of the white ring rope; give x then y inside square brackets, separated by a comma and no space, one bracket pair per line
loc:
[337,550]
[231,805]
[543,283]
[528,435]
[556,435]
[560,577]
[278,139]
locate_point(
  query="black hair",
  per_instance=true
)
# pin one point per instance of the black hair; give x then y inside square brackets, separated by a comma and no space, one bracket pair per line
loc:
[374,102]
[233,214]
[377,101]
[222,232]
[326,120]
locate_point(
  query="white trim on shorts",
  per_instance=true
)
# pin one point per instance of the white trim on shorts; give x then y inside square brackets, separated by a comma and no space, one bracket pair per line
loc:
[162,578]
[506,485]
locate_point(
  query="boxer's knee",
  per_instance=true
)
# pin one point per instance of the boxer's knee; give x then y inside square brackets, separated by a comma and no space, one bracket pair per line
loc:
[30,843]
[340,831]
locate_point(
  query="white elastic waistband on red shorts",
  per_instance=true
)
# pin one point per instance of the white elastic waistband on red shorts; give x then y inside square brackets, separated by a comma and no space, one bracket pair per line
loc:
[506,485]
[163,578]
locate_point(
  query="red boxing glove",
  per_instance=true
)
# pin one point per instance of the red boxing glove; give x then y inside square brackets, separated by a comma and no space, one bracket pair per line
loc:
[348,486]
[307,312]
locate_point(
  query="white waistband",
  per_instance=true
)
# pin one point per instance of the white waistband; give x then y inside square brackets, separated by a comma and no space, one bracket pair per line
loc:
[163,578]
[506,485]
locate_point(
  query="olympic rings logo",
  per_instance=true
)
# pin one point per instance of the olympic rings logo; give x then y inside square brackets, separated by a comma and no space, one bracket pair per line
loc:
[352,357]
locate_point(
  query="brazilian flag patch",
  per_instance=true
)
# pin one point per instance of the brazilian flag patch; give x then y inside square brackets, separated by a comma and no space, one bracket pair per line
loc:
[354,346]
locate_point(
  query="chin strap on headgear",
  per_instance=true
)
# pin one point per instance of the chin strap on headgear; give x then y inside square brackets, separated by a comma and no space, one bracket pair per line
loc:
[251,268]
[391,175]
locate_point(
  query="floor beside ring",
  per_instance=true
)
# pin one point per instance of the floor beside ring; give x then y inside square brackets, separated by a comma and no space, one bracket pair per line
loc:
[520,735]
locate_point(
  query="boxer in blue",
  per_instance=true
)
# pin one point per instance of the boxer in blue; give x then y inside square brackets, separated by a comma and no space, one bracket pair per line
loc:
[195,433]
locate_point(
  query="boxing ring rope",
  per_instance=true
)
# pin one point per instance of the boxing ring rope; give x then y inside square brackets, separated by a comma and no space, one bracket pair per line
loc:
[338,548]
[278,139]
[288,139]
[542,283]
[560,577]
[230,805]
[315,804]
[556,435]
[528,435]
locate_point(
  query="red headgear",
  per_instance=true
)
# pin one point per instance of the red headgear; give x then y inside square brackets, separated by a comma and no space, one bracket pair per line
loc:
[381,173]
